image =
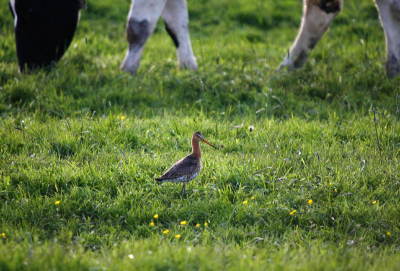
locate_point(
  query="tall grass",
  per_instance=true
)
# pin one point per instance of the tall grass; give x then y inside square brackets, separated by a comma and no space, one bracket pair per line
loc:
[77,187]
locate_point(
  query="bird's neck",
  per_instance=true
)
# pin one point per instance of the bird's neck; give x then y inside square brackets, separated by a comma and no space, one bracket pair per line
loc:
[196,148]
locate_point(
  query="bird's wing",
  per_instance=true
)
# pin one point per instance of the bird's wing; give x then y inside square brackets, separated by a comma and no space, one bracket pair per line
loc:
[185,166]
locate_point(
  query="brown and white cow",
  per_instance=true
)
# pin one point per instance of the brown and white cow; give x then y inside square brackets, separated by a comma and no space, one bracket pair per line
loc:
[317,17]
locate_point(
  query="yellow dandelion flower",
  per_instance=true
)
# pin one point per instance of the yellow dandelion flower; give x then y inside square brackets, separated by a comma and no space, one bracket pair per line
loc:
[177,236]
[294,211]
[183,223]
[388,233]
[123,117]
[291,213]
[245,202]
[310,201]
[374,202]
[252,197]
[127,126]
[156,216]
[205,224]
[335,190]
[274,151]
[57,202]
[152,224]
[3,235]
[330,184]
[197,225]
[166,231]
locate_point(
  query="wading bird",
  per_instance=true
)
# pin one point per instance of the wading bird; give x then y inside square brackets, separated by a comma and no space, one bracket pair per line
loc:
[188,167]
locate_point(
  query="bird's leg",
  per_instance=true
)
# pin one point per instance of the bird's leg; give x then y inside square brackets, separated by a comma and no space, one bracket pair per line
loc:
[183,190]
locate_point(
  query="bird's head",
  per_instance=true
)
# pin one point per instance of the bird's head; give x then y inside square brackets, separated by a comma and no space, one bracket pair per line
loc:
[199,137]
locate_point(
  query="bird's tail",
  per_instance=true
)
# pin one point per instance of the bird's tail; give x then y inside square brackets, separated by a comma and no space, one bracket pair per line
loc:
[159,180]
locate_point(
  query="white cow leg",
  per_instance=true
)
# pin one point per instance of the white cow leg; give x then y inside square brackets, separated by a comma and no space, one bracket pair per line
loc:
[317,17]
[389,14]
[142,20]
[176,19]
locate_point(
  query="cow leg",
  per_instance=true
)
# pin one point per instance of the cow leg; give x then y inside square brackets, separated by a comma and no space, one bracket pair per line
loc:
[142,20]
[317,17]
[389,14]
[43,31]
[176,20]
[11,5]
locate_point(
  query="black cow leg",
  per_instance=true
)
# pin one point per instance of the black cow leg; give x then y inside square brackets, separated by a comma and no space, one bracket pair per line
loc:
[44,30]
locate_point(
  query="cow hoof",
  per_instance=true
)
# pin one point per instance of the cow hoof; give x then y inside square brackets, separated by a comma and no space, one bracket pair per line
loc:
[189,65]
[287,64]
[294,61]
[129,68]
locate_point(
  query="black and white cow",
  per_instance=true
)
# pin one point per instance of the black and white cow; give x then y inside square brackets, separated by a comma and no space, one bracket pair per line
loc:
[43,30]
[317,17]
[142,20]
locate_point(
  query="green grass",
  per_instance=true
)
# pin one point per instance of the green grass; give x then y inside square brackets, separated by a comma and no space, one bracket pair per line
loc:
[62,139]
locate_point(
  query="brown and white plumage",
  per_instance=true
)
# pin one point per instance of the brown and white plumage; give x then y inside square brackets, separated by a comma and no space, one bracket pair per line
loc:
[187,168]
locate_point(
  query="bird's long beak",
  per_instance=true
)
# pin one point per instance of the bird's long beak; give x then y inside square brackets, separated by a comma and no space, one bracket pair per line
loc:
[205,141]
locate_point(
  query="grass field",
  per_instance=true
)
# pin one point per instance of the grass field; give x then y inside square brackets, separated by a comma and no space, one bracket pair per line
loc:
[80,147]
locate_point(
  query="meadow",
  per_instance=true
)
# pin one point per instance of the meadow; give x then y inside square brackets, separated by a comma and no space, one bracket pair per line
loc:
[314,186]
